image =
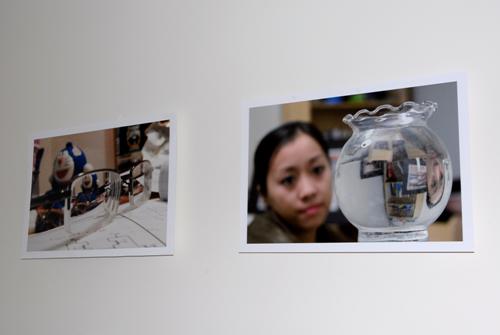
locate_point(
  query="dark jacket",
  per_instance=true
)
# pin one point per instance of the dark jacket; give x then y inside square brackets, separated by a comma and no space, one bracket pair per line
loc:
[269,228]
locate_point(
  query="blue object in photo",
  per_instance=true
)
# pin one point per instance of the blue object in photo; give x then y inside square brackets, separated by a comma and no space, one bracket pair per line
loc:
[333,100]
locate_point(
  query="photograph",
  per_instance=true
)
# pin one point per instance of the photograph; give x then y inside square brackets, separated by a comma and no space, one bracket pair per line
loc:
[371,168]
[104,192]
[417,176]
[377,170]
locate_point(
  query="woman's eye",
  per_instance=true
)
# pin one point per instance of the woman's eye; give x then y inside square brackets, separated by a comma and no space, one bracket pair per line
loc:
[317,170]
[287,181]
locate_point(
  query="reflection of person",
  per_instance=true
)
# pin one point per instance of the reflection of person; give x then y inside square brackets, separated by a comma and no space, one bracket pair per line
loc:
[293,174]
[435,181]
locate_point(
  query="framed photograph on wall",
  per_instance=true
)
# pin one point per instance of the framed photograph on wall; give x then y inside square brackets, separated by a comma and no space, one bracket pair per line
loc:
[382,169]
[102,191]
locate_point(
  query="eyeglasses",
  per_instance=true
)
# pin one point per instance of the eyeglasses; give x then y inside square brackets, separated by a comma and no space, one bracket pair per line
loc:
[93,199]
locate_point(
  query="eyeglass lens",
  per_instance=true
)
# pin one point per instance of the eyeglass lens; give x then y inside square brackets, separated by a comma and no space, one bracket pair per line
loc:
[93,201]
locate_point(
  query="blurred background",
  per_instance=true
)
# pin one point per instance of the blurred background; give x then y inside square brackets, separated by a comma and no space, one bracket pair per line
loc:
[115,148]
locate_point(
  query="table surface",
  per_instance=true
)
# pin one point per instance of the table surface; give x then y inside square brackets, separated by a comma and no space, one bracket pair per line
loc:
[145,226]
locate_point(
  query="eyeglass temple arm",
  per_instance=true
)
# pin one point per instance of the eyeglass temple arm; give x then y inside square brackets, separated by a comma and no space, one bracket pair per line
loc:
[128,179]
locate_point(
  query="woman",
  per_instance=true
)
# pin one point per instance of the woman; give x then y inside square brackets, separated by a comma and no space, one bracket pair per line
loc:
[293,174]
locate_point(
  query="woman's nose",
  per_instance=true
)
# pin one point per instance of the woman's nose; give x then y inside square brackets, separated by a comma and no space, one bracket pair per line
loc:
[307,188]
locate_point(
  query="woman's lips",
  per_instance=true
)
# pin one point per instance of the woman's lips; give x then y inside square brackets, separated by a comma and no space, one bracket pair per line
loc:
[312,210]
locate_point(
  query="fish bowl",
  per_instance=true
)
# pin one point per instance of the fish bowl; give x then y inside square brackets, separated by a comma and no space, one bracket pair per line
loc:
[393,177]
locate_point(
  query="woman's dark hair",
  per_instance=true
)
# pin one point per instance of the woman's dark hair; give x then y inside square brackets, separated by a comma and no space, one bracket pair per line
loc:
[270,144]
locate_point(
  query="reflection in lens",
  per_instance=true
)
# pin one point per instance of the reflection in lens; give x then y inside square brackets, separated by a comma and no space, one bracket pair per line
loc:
[93,202]
[141,183]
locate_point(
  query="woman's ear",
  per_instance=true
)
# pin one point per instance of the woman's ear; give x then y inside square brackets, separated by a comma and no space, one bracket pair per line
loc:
[261,199]
[259,193]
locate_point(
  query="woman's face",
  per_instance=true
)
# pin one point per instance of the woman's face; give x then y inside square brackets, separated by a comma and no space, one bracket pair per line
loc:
[299,183]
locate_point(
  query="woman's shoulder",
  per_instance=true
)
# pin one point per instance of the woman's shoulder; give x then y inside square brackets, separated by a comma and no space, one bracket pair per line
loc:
[266,228]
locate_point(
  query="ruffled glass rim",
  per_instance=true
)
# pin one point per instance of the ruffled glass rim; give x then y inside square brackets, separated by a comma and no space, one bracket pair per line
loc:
[387,114]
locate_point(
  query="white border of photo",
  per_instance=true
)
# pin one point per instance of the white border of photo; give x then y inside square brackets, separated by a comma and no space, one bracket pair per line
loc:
[167,249]
[465,245]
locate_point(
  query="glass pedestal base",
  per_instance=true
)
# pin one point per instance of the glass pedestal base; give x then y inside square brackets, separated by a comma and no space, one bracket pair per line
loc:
[393,236]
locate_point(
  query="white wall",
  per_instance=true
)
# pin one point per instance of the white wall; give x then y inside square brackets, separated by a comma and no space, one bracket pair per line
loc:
[66,63]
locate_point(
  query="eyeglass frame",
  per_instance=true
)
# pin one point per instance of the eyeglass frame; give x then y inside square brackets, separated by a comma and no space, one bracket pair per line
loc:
[66,193]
